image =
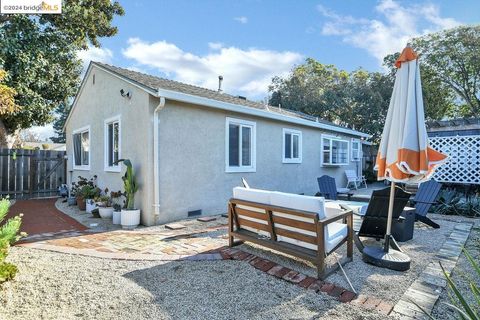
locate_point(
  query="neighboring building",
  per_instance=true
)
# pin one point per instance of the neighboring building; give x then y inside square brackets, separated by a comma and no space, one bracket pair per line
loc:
[43,146]
[460,140]
[190,146]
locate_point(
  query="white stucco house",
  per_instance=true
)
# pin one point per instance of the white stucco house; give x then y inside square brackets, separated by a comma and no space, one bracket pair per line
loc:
[190,146]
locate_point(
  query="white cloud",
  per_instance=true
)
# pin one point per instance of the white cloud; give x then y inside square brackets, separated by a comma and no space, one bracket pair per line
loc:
[391,32]
[247,72]
[242,19]
[104,55]
[215,45]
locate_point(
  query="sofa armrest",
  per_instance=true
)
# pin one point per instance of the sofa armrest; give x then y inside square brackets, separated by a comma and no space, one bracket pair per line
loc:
[343,215]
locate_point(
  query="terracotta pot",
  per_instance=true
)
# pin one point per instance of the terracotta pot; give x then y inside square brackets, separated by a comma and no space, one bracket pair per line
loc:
[82,205]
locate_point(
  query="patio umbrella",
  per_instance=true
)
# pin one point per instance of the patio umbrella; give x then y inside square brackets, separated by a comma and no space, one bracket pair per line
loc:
[404,154]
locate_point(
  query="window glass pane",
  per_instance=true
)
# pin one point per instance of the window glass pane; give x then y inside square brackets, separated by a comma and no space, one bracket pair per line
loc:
[110,144]
[233,145]
[246,146]
[116,139]
[335,151]
[85,147]
[288,146]
[77,149]
[295,146]
[343,152]
[326,157]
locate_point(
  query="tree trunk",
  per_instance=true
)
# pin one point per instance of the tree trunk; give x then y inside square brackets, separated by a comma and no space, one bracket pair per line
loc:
[7,140]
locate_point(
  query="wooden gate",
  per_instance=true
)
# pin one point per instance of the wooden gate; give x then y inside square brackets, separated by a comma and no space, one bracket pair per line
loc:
[28,174]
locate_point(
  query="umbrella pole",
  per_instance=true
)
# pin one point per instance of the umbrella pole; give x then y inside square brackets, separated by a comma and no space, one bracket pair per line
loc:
[386,245]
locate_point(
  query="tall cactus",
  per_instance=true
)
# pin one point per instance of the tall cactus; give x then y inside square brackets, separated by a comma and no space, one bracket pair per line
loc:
[130,185]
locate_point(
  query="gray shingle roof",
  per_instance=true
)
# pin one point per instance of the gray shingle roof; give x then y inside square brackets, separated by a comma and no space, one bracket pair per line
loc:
[153,83]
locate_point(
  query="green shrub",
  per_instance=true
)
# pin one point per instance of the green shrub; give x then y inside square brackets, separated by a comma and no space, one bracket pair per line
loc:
[451,202]
[7,271]
[9,234]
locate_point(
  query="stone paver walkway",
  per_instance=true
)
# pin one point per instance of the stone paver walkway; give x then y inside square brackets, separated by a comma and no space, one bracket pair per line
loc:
[426,289]
[133,245]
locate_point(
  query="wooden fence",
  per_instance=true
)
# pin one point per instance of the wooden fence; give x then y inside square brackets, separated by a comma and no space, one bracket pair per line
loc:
[28,174]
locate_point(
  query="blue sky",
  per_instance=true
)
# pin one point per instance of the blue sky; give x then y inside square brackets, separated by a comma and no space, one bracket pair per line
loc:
[250,41]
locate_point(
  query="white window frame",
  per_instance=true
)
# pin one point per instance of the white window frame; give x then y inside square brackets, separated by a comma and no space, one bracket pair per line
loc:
[334,138]
[359,153]
[107,122]
[292,132]
[74,132]
[253,143]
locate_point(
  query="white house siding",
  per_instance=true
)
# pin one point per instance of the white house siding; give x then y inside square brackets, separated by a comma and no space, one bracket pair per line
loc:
[100,101]
[192,160]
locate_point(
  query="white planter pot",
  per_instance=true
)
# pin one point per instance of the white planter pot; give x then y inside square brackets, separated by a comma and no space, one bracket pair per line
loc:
[105,212]
[130,218]
[117,215]
[91,205]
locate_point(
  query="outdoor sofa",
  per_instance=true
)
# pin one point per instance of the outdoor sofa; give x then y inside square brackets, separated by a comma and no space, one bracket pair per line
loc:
[301,226]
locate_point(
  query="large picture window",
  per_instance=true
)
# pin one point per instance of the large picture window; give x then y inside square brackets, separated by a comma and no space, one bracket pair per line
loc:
[112,144]
[334,151]
[81,149]
[292,146]
[240,145]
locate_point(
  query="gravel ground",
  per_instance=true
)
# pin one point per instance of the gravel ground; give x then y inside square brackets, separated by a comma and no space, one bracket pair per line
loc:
[371,280]
[62,286]
[462,275]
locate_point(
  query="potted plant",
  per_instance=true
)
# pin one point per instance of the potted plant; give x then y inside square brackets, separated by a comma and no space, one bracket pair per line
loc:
[77,189]
[89,193]
[130,217]
[105,208]
[72,198]
[116,198]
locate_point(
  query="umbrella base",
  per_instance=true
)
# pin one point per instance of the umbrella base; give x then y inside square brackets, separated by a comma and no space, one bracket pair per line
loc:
[393,259]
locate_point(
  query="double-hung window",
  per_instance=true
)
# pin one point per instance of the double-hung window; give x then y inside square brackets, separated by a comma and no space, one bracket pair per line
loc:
[81,149]
[112,144]
[240,145]
[356,150]
[334,151]
[292,146]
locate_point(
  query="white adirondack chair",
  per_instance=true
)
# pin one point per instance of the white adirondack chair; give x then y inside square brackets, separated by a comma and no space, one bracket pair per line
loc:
[353,178]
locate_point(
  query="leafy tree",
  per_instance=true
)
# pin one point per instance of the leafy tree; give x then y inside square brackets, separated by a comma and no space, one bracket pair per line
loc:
[450,71]
[61,112]
[40,54]
[358,99]
[7,96]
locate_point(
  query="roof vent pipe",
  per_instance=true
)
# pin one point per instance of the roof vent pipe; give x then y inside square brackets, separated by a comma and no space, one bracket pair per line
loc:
[220,79]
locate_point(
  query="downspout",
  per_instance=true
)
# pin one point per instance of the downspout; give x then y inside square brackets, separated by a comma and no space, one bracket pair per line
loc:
[156,159]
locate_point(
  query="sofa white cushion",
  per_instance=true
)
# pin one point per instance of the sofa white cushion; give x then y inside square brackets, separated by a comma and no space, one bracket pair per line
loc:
[299,202]
[332,209]
[335,232]
[254,195]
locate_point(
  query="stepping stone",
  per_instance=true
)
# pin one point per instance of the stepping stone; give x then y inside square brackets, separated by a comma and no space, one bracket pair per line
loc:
[175,226]
[206,219]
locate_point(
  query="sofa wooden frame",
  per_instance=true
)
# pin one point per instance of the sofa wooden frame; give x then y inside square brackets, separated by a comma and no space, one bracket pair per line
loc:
[236,220]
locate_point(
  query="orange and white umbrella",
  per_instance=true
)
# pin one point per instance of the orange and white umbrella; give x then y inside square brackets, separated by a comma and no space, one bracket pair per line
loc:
[404,154]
